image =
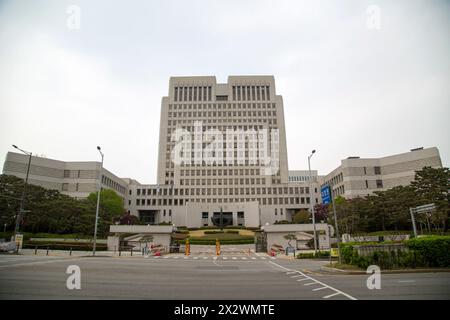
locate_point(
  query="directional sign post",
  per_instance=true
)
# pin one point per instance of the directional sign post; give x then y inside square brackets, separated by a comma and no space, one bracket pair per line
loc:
[327,198]
[427,208]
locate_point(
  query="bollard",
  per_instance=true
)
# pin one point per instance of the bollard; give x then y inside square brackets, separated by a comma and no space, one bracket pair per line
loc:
[70,251]
[47,251]
[131,251]
[187,250]
[217,247]
[35,250]
[115,249]
[120,252]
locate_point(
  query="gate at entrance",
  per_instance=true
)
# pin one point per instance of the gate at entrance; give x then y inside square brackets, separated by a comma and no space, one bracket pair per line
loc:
[260,242]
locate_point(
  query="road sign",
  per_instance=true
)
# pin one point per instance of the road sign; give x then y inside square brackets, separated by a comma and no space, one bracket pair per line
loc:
[326,194]
[19,241]
[334,252]
[425,208]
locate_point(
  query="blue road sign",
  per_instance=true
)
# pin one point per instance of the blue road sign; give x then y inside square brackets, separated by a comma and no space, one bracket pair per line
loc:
[326,194]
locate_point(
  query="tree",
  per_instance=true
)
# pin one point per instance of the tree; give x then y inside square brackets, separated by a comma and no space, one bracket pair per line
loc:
[127,219]
[321,212]
[302,216]
[432,185]
[111,207]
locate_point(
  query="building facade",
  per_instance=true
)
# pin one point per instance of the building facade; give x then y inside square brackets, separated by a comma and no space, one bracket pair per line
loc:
[225,173]
[75,179]
[357,177]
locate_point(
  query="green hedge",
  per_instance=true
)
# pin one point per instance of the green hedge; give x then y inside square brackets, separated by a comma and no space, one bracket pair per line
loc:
[213,242]
[232,231]
[432,251]
[212,232]
[311,255]
[64,246]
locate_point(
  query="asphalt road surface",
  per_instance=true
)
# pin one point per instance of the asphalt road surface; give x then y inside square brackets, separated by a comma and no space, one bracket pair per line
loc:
[233,275]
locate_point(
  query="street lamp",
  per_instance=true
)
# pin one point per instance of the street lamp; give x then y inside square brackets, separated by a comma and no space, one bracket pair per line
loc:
[24,191]
[98,201]
[311,202]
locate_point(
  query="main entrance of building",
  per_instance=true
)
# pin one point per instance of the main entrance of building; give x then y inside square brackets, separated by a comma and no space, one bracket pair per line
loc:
[222,221]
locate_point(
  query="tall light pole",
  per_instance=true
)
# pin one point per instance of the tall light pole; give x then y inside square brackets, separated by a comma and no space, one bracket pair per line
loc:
[98,201]
[311,202]
[24,191]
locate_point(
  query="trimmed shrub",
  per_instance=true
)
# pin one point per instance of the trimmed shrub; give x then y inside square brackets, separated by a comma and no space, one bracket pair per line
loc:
[195,241]
[311,255]
[64,246]
[212,231]
[232,231]
[433,251]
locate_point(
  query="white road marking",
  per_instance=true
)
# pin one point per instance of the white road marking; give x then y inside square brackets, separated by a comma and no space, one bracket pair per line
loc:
[253,258]
[321,288]
[244,258]
[166,257]
[176,257]
[317,281]
[303,279]
[291,272]
[204,258]
[262,258]
[186,257]
[406,281]
[273,258]
[331,295]
[195,258]
[296,276]
[311,283]
[224,258]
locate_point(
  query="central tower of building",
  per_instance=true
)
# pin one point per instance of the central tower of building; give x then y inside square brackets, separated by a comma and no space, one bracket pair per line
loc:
[198,114]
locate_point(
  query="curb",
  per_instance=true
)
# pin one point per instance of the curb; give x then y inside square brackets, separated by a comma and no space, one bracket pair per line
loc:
[359,272]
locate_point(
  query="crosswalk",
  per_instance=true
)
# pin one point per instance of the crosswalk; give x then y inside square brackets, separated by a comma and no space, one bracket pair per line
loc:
[232,258]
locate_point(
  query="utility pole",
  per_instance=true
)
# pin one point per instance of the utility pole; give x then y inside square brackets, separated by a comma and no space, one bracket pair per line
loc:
[24,192]
[98,201]
[311,201]
[336,224]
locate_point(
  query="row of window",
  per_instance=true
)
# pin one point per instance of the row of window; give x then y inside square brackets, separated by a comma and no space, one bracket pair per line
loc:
[262,201]
[298,178]
[194,93]
[219,172]
[221,114]
[220,106]
[247,93]
[224,191]
[113,185]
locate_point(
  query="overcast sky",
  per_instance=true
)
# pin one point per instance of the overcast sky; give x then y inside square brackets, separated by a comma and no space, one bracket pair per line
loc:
[349,87]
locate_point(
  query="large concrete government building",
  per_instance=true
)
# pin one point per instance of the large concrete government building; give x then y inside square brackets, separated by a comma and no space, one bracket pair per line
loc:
[222,149]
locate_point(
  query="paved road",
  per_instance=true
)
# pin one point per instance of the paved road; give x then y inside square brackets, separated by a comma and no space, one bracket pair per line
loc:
[235,275]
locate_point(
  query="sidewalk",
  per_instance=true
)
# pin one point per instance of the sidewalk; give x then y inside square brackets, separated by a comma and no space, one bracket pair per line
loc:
[393,271]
